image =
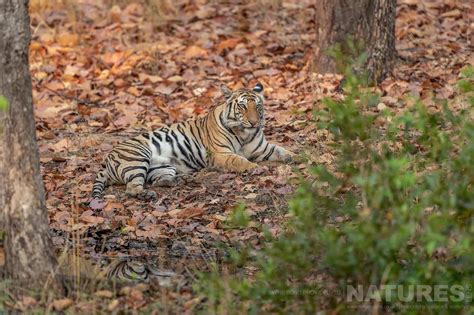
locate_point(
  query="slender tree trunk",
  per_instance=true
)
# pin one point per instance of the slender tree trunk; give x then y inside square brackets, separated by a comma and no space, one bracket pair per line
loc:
[371,22]
[28,249]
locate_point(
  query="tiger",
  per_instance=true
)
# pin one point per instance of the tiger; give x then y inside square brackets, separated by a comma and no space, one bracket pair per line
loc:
[137,270]
[121,270]
[229,137]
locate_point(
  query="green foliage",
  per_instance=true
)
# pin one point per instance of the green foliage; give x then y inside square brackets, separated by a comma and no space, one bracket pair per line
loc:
[3,103]
[238,218]
[398,209]
[349,55]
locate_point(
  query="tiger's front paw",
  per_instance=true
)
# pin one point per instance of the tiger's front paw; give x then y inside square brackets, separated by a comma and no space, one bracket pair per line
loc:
[246,167]
[147,195]
[142,194]
[290,158]
[252,166]
[167,182]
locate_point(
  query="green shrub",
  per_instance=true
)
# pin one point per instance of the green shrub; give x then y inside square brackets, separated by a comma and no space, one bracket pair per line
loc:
[397,209]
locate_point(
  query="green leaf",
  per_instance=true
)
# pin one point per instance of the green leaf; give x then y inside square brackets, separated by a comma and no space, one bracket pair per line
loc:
[467,72]
[465,86]
[4,104]
[239,218]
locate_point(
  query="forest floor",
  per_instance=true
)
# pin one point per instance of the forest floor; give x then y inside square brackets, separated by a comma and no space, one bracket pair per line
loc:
[104,71]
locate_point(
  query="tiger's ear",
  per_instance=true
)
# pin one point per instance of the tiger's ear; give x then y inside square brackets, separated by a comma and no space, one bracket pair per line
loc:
[226,91]
[258,88]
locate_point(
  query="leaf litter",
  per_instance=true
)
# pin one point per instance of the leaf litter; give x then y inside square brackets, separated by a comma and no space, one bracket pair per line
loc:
[103,73]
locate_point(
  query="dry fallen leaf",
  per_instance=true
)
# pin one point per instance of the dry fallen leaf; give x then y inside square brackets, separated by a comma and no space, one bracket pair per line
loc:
[104,294]
[165,89]
[68,39]
[251,196]
[227,44]
[189,213]
[145,78]
[194,52]
[97,204]
[61,145]
[92,219]
[26,302]
[150,232]
[62,304]
[113,305]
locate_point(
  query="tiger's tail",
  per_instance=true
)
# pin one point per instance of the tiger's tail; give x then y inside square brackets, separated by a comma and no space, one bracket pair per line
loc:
[100,183]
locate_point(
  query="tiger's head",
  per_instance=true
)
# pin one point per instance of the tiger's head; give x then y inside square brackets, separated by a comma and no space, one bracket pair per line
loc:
[244,108]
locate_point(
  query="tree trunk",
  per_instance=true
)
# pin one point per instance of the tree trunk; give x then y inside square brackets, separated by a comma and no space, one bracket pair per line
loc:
[28,249]
[370,21]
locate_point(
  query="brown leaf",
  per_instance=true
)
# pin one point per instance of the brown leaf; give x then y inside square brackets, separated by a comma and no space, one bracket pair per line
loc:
[136,295]
[97,204]
[71,71]
[125,120]
[227,44]
[61,145]
[113,305]
[59,158]
[125,291]
[251,196]
[165,89]
[92,219]
[453,13]
[285,190]
[142,287]
[150,232]
[149,78]
[282,94]
[115,13]
[175,78]
[68,39]
[195,52]
[225,177]
[113,205]
[266,72]
[190,213]
[25,302]
[62,304]
[104,294]
[120,82]
[134,91]
[113,57]
[62,217]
